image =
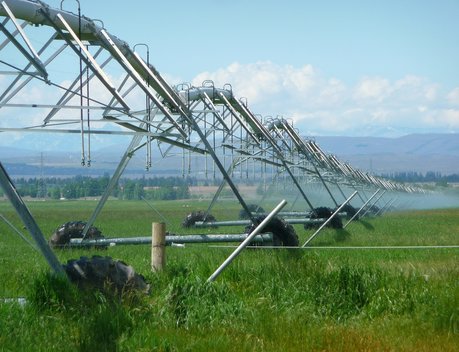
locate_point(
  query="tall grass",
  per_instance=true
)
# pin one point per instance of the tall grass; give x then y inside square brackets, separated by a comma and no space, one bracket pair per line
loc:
[266,300]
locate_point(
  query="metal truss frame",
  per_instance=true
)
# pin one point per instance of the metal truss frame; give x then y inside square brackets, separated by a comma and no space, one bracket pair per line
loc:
[204,120]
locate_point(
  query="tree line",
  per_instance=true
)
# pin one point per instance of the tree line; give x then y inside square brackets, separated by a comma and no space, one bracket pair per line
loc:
[419,177]
[161,188]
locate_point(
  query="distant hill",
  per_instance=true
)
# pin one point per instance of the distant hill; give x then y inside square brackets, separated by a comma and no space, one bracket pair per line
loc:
[414,144]
[416,152]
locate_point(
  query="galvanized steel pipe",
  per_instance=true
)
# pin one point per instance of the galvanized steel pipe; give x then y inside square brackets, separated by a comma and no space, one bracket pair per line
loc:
[244,244]
[330,218]
[78,242]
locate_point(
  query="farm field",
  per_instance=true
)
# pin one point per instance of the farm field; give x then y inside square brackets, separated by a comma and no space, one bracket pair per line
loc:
[327,299]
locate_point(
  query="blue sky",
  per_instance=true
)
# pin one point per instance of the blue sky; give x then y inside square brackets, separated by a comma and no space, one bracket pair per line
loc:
[360,67]
[355,68]
[343,39]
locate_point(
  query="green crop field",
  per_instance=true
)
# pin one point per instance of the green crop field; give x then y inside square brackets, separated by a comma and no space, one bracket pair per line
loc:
[319,299]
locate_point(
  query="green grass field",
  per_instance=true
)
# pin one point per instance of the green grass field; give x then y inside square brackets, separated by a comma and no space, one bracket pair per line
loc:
[266,300]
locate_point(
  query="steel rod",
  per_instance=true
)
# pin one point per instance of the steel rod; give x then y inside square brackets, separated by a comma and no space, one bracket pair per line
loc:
[255,232]
[386,206]
[155,210]
[130,151]
[329,219]
[203,238]
[28,221]
[18,232]
[361,208]
[350,247]
[376,201]
[204,224]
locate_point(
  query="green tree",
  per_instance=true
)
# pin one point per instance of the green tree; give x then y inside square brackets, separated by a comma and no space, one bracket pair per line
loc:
[138,191]
[55,192]
[69,191]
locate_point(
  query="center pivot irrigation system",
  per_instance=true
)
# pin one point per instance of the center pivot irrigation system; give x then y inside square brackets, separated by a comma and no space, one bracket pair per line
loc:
[62,72]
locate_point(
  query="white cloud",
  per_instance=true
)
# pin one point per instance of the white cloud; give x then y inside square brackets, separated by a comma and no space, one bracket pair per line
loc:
[316,103]
[414,88]
[372,89]
[333,92]
[258,81]
[453,97]
[326,105]
[447,117]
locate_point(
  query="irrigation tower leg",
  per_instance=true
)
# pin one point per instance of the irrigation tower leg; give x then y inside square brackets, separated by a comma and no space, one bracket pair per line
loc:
[374,203]
[344,195]
[297,184]
[294,202]
[329,219]
[131,149]
[220,166]
[29,221]
[361,208]
[326,187]
[386,206]
[244,244]
[222,185]
[267,192]
[340,189]
[394,201]
[360,195]
[113,182]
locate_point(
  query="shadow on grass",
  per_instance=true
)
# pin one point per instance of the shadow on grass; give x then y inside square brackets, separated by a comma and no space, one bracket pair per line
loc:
[367,225]
[341,235]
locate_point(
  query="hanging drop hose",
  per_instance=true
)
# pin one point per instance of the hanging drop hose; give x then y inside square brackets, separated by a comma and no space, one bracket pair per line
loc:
[148,161]
[83,160]
[148,114]
[88,116]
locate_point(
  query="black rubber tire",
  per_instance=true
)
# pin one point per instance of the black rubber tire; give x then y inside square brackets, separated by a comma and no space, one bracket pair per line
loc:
[196,216]
[283,233]
[254,208]
[324,213]
[72,229]
[105,273]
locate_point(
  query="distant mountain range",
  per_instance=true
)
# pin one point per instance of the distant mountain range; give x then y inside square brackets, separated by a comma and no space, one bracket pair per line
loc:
[416,152]
[413,144]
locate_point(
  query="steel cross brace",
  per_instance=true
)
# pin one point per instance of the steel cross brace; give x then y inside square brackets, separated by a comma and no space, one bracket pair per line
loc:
[295,139]
[87,57]
[279,155]
[33,57]
[3,98]
[29,221]
[361,208]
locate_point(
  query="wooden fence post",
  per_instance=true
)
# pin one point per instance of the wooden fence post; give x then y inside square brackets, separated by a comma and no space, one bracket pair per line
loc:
[158,246]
